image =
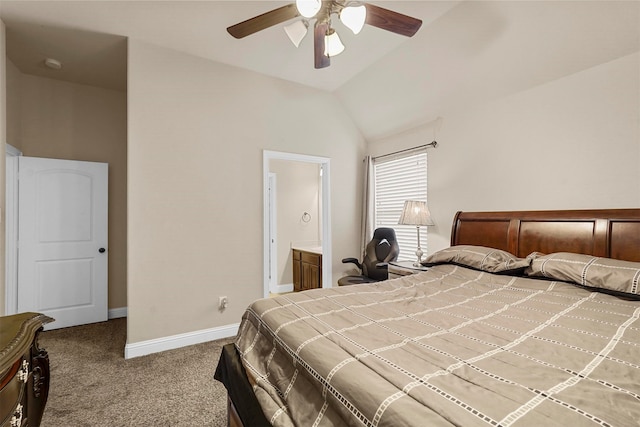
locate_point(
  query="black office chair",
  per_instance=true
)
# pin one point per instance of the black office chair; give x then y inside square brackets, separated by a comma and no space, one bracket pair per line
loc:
[381,250]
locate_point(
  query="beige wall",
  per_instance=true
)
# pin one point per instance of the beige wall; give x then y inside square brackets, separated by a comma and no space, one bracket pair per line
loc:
[298,191]
[197,131]
[3,140]
[14,99]
[69,121]
[573,143]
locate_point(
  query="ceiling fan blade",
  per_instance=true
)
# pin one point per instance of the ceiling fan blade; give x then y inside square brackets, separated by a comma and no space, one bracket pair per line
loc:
[261,22]
[392,21]
[320,59]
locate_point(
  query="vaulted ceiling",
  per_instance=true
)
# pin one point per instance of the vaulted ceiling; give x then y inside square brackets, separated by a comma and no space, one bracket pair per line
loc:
[465,52]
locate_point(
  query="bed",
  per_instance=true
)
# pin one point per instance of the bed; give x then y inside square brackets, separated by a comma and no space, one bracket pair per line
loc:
[530,318]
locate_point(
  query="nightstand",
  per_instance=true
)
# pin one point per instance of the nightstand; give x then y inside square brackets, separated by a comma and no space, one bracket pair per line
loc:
[403,268]
[24,370]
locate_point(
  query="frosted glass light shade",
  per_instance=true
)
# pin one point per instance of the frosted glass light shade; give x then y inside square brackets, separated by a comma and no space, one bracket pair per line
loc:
[353,17]
[332,44]
[296,31]
[308,8]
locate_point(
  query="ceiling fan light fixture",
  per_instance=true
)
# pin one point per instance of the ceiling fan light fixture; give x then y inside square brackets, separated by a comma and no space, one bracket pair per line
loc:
[296,31]
[353,17]
[332,44]
[326,43]
[308,8]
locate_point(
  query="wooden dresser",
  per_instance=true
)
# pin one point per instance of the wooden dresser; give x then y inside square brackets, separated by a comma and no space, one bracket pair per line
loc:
[307,270]
[24,370]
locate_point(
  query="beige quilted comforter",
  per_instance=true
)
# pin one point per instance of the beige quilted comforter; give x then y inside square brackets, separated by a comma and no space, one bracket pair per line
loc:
[450,346]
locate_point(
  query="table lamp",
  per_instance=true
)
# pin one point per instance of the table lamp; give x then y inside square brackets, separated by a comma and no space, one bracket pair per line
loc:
[416,213]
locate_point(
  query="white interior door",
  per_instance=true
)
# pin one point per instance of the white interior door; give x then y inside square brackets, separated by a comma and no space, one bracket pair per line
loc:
[62,238]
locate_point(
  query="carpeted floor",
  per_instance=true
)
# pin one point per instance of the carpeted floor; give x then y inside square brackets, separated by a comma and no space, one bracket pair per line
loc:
[93,385]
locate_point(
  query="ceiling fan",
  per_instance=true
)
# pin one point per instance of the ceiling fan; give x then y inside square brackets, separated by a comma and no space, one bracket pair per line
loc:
[325,40]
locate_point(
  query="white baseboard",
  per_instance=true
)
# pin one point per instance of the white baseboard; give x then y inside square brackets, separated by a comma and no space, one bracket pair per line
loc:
[281,289]
[116,313]
[177,341]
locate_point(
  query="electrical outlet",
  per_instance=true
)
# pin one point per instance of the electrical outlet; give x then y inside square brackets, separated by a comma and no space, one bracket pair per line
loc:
[223,302]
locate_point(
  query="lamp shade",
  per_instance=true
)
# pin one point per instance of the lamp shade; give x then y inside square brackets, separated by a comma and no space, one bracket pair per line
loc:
[353,17]
[415,213]
[308,8]
[332,44]
[296,31]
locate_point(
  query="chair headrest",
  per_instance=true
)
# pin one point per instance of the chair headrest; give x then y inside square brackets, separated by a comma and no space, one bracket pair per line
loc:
[384,233]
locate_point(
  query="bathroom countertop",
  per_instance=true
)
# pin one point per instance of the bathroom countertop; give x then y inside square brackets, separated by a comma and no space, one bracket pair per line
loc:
[312,249]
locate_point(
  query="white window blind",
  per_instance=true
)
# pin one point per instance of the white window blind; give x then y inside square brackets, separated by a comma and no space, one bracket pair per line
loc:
[398,178]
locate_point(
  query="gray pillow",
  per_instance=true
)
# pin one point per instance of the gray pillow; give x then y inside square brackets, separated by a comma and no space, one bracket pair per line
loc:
[588,270]
[480,258]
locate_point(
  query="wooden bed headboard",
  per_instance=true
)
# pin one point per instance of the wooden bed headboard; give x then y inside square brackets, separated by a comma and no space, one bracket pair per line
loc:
[611,233]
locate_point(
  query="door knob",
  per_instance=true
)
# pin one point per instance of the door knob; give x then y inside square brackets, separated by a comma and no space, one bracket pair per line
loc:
[101,250]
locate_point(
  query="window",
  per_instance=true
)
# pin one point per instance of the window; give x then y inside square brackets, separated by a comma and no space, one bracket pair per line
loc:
[398,178]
